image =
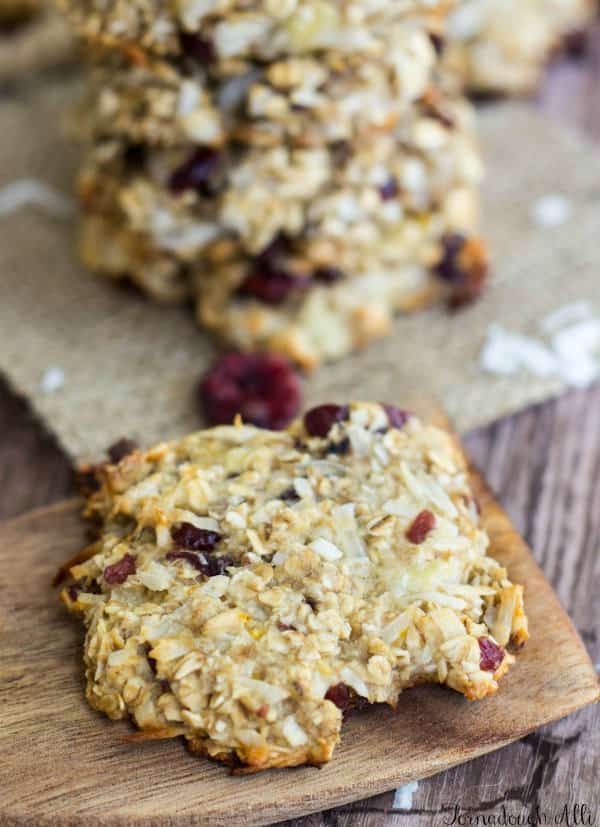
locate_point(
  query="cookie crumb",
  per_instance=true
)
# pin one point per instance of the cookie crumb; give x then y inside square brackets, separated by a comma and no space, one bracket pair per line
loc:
[28,192]
[403,796]
[52,380]
[551,210]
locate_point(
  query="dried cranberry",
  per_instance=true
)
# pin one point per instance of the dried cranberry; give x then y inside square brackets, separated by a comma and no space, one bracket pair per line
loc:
[189,536]
[197,173]
[328,275]
[135,156]
[341,152]
[319,421]
[289,495]
[464,266]
[270,285]
[268,278]
[217,565]
[197,48]
[120,571]
[279,247]
[121,449]
[147,648]
[448,267]
[87,480]
[209,565]
[396,416]
[423,523]
[342,447]
[263,388]
[339,694]
[437,42]
[576,44]
[491,655]
[389,190]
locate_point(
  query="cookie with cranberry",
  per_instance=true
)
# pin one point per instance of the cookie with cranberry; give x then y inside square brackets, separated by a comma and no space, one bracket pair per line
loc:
[250,586]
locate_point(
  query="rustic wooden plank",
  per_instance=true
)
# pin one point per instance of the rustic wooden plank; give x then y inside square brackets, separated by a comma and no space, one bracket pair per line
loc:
[33,469]
[45,717]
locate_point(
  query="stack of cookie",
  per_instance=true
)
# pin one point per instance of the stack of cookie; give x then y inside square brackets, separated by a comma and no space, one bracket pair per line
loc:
[294,167]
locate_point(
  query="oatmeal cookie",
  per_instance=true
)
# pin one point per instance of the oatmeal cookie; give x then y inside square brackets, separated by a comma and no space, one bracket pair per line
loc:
[249,586]
[271,241]
[295,169]
[306,100]
[501,46]
[244,29]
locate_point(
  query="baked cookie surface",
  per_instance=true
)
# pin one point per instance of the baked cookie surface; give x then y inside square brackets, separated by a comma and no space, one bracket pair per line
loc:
[249,586]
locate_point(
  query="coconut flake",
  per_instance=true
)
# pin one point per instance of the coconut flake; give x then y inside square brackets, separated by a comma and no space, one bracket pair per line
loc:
[577,348]
[551,210]
[267,692]
[325,549]
[206,523]
[293,732]
[403,796]
[155,577]
[505,353]
[52,380]
[28,192]
[567,314]
[303,488]
[347,530]
[360,440]
[571,356]
[353,680]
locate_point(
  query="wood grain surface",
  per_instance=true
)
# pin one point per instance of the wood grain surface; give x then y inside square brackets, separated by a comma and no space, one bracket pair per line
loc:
[545,466]
[46,718]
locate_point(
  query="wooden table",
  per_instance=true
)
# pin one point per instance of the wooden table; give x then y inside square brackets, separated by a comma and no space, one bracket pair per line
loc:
[545,466]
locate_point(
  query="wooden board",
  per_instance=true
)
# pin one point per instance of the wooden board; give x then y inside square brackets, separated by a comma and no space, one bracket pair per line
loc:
[63,764]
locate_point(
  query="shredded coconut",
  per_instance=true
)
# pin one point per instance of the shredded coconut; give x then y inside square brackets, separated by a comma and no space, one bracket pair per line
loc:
[572,353]
[27,192]
[404,795]
[551,210]
[567,314]
[577,347]
[506,353]
[52,380]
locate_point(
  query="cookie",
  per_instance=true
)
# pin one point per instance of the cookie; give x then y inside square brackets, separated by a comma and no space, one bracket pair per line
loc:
[501,46]
[308,251]
[248,587]
[294,170]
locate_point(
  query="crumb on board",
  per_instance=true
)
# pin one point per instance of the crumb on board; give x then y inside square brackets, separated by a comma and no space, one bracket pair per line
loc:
[403,796]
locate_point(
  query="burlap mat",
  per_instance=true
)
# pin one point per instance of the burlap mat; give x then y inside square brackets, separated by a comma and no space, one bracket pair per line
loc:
[131,367]
[42,44]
